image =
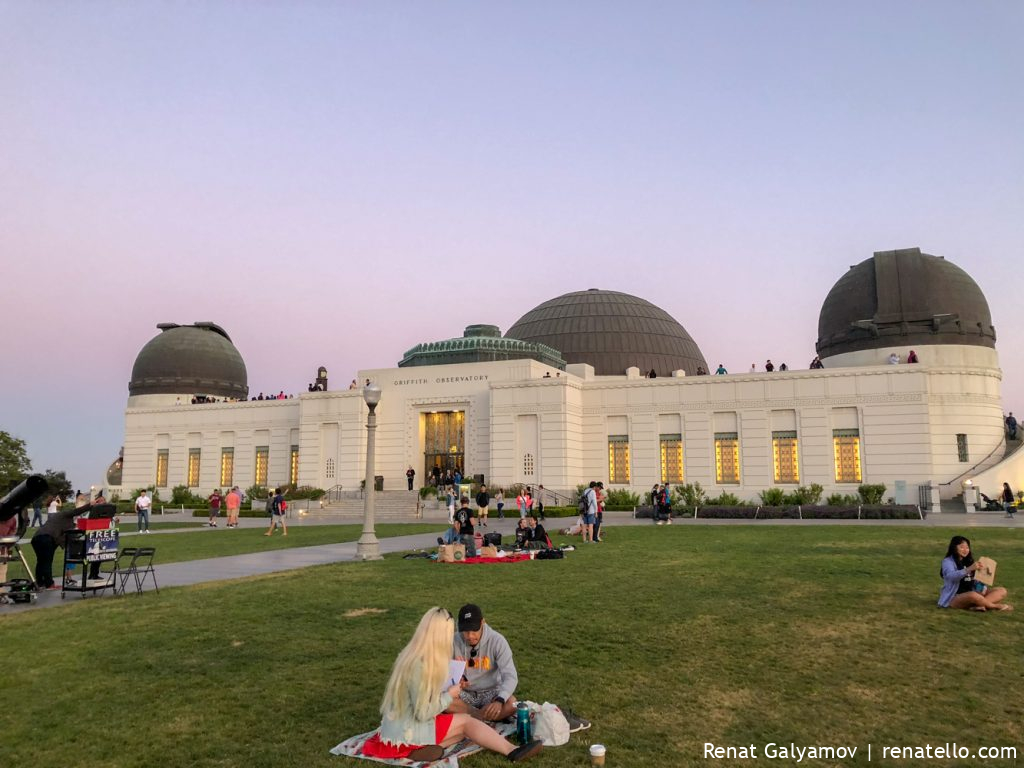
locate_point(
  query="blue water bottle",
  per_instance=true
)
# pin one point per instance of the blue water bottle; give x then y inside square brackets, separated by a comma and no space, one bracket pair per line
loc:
[524,728]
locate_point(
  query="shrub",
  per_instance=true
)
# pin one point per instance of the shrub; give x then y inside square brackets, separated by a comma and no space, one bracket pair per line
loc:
[726,499]
[560,511]
[181,496]
[872,494]
[621,498]
[805,495]
[689,495]
[773,497]
[255,492]
[843,500]
[727,512]
[305,492]
[427,491]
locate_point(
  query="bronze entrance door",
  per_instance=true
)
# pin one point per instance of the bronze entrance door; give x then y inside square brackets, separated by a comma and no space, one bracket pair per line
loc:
[444,443]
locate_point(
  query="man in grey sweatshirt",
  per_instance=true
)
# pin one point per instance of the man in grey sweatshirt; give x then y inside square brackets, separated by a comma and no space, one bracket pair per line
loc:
[490,679]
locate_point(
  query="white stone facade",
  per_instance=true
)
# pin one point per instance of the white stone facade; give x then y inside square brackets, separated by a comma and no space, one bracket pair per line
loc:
[523,427]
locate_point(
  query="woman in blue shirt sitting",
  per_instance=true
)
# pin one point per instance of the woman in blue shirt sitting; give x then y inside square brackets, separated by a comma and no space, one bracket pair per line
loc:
[414,724]
[959,589]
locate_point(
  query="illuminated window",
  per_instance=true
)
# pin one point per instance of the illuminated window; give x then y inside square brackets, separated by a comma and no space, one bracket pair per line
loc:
[528,464]
[193,467]
[846,443]
[161,469]
[618,458]
[671,458]
[961,447]
[293,467]
[227,466]
[262,462]
[786,457]
[727,458]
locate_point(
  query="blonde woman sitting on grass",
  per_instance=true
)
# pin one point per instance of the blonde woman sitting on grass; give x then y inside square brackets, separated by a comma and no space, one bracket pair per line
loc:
[414,724]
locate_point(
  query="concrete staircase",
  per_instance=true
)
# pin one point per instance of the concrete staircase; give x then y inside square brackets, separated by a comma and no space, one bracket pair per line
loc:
[387,505]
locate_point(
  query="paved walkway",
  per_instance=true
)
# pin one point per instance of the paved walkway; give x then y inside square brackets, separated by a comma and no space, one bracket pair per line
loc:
[272,561]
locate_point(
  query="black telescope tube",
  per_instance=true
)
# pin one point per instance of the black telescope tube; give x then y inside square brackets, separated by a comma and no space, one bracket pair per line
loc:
[30,489]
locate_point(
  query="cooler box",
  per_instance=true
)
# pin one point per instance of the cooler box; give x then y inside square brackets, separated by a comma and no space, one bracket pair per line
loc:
[99,524]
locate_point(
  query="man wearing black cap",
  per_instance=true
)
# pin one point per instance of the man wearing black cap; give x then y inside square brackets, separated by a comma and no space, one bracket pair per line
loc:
[490,677]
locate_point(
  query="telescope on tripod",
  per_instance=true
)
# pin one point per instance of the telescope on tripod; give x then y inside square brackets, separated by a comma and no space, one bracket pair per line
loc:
[14,504]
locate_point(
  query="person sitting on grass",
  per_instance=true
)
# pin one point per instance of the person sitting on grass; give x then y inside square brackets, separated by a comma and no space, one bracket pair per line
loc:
[959,589]
[278,509]
[414,724]
[490,678]
[538,536]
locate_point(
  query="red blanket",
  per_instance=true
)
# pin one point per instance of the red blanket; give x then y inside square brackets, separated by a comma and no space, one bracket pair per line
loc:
[508,559]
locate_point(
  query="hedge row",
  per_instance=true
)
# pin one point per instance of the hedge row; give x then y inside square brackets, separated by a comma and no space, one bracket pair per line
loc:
[865,512]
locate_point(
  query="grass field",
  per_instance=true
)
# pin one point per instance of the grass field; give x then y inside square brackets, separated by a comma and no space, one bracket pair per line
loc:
[667,638]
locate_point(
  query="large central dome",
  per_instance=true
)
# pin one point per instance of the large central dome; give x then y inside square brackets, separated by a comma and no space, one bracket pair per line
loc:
[611,331]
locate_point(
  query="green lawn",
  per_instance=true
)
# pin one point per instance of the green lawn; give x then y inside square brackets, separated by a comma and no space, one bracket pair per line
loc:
[668,638]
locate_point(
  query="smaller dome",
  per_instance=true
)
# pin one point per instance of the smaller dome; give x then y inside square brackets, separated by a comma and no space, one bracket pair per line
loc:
[903,298]
[194,359]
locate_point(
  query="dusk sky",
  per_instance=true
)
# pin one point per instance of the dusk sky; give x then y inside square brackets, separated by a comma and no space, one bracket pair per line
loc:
[335,182]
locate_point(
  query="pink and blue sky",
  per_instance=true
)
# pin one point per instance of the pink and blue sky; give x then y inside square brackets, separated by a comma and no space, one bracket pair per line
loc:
[335,182]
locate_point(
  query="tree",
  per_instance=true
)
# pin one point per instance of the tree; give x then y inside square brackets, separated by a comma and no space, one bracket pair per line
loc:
[14,463]
[59,483]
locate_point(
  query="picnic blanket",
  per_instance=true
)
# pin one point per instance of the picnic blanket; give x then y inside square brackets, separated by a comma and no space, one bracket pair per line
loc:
[354,748]
[506,559]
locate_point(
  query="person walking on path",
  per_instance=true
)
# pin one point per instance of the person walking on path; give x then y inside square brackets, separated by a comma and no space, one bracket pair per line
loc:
[37,513]
[1011,426]
[449,501]
[1007,497]
[142,506]
[278,512]
[233,501]
[215,500]
[521,503]
[499,500]
[483,503]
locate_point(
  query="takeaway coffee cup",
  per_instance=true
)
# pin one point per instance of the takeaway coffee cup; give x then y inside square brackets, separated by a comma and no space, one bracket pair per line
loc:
[597,755]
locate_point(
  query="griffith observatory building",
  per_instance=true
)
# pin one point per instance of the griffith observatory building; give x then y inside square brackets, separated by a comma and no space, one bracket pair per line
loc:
[564,398]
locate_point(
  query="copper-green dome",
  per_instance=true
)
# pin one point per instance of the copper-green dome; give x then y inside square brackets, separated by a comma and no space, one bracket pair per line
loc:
[194,359]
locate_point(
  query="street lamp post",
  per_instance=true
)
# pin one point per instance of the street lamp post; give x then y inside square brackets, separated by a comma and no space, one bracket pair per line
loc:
[368,548]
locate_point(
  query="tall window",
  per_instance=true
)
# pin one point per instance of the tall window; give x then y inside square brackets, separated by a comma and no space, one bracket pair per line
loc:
[618,458]
[227,467]
[329,469]
[293,467]
[528,464]
[846,443]
[671,458]
[727,458]
[193,467]
[161,469]
[262,462]
[786,457]
[961,448]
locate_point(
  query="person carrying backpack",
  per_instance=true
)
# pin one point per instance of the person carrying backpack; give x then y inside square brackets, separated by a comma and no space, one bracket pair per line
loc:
[278,510]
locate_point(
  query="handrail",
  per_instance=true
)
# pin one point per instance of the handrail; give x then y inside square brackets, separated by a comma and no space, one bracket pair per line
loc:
[333,494]
[1001,445]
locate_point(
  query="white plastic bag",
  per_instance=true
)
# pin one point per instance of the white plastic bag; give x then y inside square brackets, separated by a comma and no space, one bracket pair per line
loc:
[549,724]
